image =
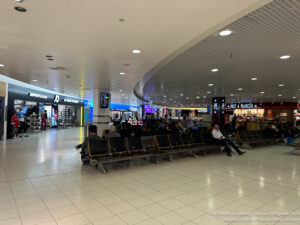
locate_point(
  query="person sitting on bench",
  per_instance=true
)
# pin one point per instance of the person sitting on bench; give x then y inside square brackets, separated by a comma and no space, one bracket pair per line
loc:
[84,146]
[112,133]
[219,137]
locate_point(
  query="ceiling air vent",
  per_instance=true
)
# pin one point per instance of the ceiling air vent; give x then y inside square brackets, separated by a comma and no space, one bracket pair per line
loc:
[57,68]
[212,55]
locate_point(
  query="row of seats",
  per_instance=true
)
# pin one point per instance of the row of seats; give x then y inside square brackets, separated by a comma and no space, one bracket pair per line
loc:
[149,148]
[291,132]
[254,138]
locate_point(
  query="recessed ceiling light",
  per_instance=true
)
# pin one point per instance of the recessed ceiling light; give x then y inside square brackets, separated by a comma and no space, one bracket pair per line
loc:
[208,92]
[240,89]
[262,92]
[198,97]
[280,95]
[34,80]
[183,94]
[123,94]
[122,73]
[136,51]
[171,99]
[204,96]
[253,78]
[19,0]
[165,96]
[215,70]
[187,98]
[225,32]
[231,95]
[285,57]
[280,85]
[210,85]
[126,97]
[294,97]
[121,90]
[20,9]
[1,65]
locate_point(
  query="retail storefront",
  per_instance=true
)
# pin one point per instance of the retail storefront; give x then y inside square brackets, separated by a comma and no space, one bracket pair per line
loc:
[257,115]
[297,116]
[32,104]
[119,112]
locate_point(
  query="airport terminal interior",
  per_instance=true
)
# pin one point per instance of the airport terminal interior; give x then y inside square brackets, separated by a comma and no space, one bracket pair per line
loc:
[149,112]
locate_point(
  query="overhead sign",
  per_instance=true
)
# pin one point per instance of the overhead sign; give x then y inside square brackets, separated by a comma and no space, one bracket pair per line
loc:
[88,103]
[56,98]
[35,95]
[149,110]
[132,108]
[202,110]
[71,101]
[242,106]
[123,107]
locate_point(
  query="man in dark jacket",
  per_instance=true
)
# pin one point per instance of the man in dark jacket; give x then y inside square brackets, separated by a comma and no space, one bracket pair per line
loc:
[84,146]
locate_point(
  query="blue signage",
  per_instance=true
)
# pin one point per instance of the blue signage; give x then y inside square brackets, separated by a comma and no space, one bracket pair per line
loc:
[88,103]
[124,107]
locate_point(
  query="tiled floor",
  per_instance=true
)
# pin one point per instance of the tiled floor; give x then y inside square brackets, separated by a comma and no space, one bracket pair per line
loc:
[42,182]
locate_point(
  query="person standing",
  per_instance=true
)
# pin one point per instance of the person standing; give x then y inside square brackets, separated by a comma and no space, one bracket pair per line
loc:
[15,122]
[217,135]
[23,125]
[43,123]
[195,126]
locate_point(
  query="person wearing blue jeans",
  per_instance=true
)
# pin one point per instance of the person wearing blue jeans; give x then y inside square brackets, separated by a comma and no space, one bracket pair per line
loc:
[216,133]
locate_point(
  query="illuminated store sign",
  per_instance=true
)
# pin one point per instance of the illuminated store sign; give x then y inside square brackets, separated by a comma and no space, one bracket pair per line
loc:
[242,106]
[35,95]
[202,110]
[149,109]
[71,101]
[132,108]
[88,103]
[123,107]
[56,98]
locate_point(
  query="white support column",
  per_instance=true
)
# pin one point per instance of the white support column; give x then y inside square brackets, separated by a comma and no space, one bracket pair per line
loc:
[5,112]
[101,116]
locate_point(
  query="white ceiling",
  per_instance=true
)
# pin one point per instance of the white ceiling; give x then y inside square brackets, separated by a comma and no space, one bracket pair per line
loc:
[252,50]
[88,40]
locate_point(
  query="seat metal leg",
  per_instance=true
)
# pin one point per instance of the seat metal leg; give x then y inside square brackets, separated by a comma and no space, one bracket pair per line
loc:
[194,154]
[153,159]
[102,167]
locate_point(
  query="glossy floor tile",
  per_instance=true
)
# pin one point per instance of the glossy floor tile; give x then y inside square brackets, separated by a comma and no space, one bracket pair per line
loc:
[42,181]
